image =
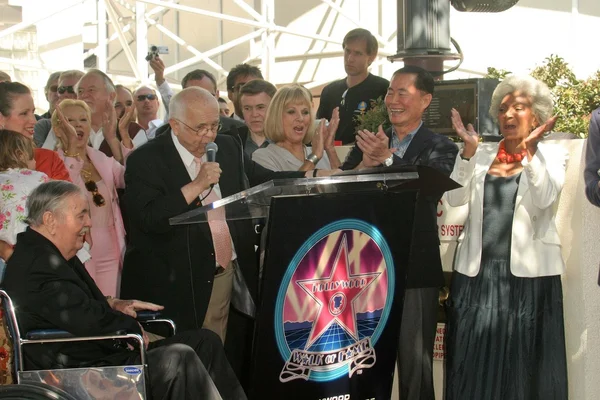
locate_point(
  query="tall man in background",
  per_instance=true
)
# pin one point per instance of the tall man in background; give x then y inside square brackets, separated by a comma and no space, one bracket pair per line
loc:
[354,93]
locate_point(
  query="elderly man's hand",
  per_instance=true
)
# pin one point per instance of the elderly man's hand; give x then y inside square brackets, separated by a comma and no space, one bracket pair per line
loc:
[374,145]
[130,307]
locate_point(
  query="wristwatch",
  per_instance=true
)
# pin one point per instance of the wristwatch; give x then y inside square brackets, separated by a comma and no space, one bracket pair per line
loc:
[389,161]
[312,157]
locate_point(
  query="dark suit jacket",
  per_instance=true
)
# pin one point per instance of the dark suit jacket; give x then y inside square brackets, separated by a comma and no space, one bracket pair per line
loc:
[592,160]
[50,292]
[437,151]
[174,265]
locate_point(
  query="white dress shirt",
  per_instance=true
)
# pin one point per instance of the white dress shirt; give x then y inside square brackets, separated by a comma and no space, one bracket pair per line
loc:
[190,165]
[152,127]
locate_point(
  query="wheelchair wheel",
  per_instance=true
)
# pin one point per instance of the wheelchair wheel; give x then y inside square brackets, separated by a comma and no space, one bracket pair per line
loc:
[33,391]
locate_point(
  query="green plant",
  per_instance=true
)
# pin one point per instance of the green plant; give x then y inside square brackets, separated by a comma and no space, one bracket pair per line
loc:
[493,73]
[375,116]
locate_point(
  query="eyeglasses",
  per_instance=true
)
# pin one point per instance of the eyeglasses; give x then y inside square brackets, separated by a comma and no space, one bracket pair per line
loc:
[63,89]
[96,196]
[143,97]
[237,87]
[203,129]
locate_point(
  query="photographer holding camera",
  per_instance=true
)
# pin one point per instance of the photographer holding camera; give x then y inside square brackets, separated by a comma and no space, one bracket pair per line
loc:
[199,78]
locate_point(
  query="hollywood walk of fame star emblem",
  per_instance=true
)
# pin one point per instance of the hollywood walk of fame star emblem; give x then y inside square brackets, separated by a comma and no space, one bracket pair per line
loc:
[335,295]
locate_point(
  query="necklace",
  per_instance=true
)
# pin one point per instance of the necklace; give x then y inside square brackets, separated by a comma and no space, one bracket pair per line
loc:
[508,158]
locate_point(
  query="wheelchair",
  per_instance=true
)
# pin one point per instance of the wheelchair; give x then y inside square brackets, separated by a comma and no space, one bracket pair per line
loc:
[125,382]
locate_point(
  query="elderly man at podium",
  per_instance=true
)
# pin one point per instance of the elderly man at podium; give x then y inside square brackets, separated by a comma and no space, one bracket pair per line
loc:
[191,269]
[408,142]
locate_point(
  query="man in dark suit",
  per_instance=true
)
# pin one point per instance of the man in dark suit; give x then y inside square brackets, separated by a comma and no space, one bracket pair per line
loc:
[591,173]
[408,142]
[52,290]
[181,266]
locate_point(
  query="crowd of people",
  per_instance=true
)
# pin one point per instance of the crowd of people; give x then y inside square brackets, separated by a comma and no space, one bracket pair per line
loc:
[88,189]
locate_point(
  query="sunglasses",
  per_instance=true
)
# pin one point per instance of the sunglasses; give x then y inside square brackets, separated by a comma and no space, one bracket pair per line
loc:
[96,197]
[63,89]
[143,97]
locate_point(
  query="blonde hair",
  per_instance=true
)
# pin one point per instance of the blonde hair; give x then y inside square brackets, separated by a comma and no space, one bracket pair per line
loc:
[13,149]
[293,94]
[62,105]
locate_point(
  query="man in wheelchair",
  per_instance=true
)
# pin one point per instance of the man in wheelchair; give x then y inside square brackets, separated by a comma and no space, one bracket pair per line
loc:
[51,289]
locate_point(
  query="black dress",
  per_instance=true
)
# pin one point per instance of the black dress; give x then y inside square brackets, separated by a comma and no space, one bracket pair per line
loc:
[505,336]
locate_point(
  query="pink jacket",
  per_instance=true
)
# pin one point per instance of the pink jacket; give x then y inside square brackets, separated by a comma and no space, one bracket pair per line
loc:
[113,175]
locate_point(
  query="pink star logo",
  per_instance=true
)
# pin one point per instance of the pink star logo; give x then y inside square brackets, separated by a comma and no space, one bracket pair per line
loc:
[335,295]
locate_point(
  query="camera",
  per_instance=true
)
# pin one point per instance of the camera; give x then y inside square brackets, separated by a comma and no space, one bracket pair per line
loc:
[154,51]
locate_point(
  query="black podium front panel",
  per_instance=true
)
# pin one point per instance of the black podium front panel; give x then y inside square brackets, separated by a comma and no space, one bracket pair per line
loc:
[332,291]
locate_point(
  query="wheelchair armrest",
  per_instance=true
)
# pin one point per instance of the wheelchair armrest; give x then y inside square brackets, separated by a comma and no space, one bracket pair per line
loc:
[144,316]
[45,334]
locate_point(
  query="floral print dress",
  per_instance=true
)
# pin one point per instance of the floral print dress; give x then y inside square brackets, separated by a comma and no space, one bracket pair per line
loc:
[15,186]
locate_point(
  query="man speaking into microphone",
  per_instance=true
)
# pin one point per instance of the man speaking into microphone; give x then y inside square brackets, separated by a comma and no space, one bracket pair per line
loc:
[190,269]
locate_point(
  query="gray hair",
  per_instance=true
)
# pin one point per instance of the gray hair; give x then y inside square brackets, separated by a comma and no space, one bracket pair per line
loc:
[49,197]
[72,73]
[183,99]
[542,104]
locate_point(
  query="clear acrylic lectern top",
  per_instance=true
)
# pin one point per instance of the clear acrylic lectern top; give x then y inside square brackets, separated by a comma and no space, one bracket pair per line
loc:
[255,202]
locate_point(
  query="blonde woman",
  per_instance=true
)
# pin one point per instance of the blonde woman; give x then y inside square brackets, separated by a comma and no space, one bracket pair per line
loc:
[99,176]
[290,126]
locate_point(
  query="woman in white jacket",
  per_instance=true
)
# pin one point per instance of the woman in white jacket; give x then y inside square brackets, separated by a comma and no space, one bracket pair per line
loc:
[505,336]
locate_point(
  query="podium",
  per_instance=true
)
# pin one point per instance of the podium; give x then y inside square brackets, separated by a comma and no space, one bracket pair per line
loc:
[332,281]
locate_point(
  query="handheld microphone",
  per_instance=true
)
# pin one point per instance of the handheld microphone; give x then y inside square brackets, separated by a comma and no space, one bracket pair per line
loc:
[211,151]
[211,154]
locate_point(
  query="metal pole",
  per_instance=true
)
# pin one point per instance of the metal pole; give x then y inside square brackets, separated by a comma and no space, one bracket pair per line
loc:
[339,10]
[268,39]
[141,34]
[25,24]
[243,21]
[212,52]
[128,53]
[191,48]
[101,53]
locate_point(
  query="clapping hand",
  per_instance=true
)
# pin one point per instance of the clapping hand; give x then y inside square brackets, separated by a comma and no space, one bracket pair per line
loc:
[125,120]
[109,121]
[375,146]
[331,129]
[67,132]
[468,135]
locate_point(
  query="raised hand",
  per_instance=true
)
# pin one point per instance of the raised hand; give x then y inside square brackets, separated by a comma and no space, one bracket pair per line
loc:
[109,121]
[158,66]
[537,134]
[66,132]
[318,140]
[126,119]
[468,135]
[331,129]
